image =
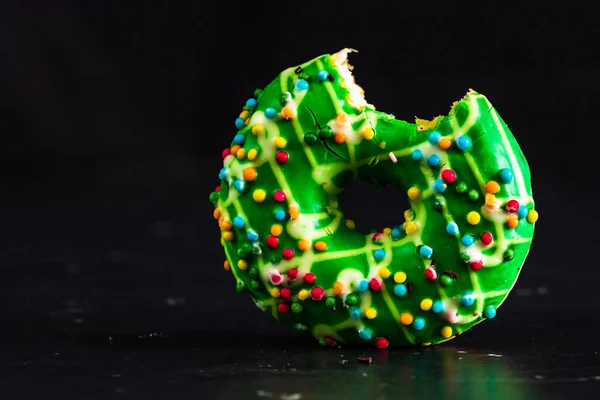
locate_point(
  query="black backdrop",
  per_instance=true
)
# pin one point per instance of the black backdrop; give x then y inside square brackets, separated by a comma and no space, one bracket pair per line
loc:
[114,115]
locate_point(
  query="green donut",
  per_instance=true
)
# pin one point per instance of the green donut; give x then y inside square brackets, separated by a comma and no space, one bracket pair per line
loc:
[449,263]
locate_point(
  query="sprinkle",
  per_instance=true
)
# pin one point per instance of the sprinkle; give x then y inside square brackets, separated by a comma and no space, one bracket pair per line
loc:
[234,149]
[296,307]
[406,318]
[275,277]
[490,201]
[426,304]
[463,143]
[532,216]
[399,277]
[258,129]
[355,313]
[434,137]
[393,157]
[322,75]
[227,236]
[216,213]
[272,242]
[292,273]
[452,228]
[418,324]
[338,288]
[445,143]
[439,186]
[303,245]
[512,221]
[425,251]
[309,278]
[473,195]
[430,274]
[275,292]
[460,187]
[317,293]
[241,153]
[283,308]
[294,212]
[276,229]
[282,157]
[400,289]
[379,255]
[330,302]
[279,196]
[320,245]
[410,227]
[506,175]
[370,313]
[492,187]
[473,217]
[368,133]
[476,265]
[365,334]
[226,265]
[467,240]
[417,155]
[251,103]
[414,193]
[270,113]
[350,224]
[363,285]
[437,307]
[446,281]
[387,231]
[252,235]
[302,84]
[446,332]
[325,132]
[279,214]
[303,294]
[467,299]
[298,70]
[375,284]
[280,142]
[384,272]
[433,160]
[239,139]
[239,222]
[225,153]
[489,312]
[240,123]
[259,195]
[522,212]
[448,176]
[396,233]
[252,154]
[288,112]
[287,254]
[486,238]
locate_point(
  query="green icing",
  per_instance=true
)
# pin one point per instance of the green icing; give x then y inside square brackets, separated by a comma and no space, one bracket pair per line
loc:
[316,173]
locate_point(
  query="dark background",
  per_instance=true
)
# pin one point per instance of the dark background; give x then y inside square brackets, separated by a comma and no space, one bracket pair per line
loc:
[113,117]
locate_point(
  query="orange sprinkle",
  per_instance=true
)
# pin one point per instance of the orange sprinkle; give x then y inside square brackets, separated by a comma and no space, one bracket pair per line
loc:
[276,229]
[338,288]
[294,212]
[490,201]
[492,187]
[406,318]
[221,219]
[320,246]
[249,174]
[226,265]
[234,149]
[342,118]
[512,221]
[216,213]
[303,245]
[226,225]
[339,138]
[287,112]
[445,143]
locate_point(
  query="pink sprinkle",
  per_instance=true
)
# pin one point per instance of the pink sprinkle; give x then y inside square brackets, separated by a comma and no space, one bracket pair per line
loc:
[275,277]
[393,157]
[452,317]
[430,274]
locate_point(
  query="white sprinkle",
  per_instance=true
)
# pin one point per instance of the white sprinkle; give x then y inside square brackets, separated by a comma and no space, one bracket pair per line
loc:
[494,355]
[293,396]
[393,157]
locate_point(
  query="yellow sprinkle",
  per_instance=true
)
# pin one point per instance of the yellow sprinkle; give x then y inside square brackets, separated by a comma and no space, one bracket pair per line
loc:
[252,154]
[490,201]
[406,318]
[259,195]
[384,272]
[320,245]
[279,142]
[249,174]
[303,294]
[227,236]
[382,145]
[226,265]
[370,313]
[387,231]
[410,227]
[241,153]
[446,332]
[258,129]
[399,277]
[303,245]
[216,213]
[368,133]
[532,216]
[409,215]
[276,229]
[414,193]
[294,212]
[243,265]
[339,138]
[492,187]
[275,292]
[338,288]
[445,143]
[512,221]
[473,217]
[288,112]
[244,114]
[350,224]
[426,304]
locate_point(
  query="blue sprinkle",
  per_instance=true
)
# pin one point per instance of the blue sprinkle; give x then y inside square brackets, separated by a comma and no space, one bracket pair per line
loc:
[506,175]
[379,254]
[433,160]
[434,137]
[437,306]
[489,312]
[240,123]
[363,285]
[439,186]
[279,214]
[239,139]
[302,85]
[322,75]
[396,233]
[418,324]
[239,185]
[270,113]
[417,155]
[223,173]
[251,103]
[252,236]
[452,228]
[365,334]
[522,211]
[467,299]
[467,240]
[239,222]
[355,313]
[463,143]
[425,251]
[400,289]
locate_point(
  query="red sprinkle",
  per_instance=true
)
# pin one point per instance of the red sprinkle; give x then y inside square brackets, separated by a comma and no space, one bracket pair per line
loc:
[279,196]
[327,341]
[448,176]
[317,293]
[285,293]
[272,242]
[275,277]
[382,343]
[226,152]
[512,206]
[292,273]
[476,265]
[309,277]
[287,254]
[375,284]
[283,308]
[218,189]
[282,157]
[486,238]
[430,274]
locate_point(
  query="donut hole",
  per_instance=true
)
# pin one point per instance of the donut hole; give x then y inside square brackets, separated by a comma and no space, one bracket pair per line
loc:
[373,208]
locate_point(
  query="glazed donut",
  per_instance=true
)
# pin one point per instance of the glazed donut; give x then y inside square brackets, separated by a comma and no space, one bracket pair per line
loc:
[447,265]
